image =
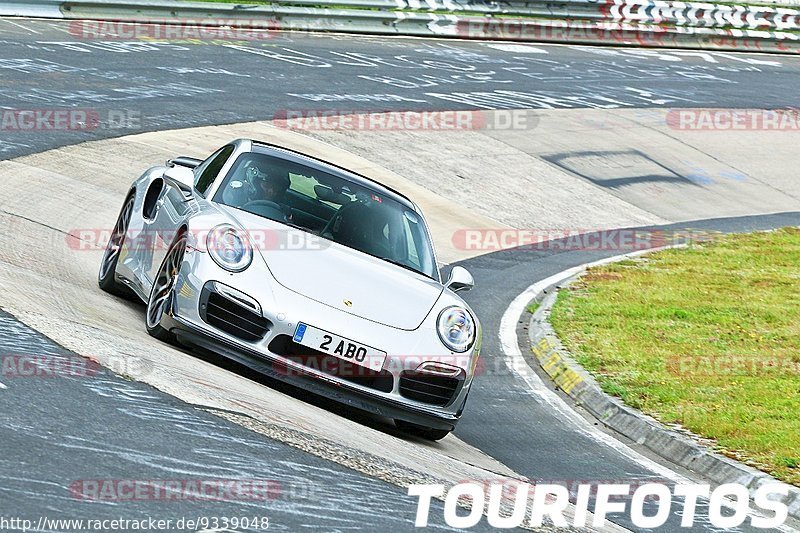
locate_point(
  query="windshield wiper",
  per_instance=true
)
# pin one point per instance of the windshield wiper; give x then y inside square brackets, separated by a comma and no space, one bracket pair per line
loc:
[412,269]
[296,226]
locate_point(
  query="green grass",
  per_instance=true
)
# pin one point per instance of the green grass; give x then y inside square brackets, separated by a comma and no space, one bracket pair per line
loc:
[706,337]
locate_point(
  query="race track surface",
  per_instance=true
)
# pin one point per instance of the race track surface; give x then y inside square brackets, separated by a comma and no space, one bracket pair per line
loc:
[150,86]
[60,435]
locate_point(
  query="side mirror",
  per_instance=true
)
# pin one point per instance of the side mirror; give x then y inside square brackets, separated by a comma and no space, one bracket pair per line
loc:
[460,279]
[182,178]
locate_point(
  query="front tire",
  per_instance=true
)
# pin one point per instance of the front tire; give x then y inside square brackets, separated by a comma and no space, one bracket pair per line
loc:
[421,431]
[106,277]
[162,293]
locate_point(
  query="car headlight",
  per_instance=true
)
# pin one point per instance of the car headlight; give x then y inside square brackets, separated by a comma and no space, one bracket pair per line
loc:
[229,248]
[456,328]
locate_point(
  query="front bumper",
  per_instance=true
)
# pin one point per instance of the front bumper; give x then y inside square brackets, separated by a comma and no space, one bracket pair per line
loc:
[286,371]
[282,309]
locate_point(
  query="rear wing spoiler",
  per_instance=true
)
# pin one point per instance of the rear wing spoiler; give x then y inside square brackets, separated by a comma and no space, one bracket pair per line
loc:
[188,162]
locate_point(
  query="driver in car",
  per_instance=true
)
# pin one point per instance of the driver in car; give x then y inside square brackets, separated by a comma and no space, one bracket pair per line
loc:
[270,186]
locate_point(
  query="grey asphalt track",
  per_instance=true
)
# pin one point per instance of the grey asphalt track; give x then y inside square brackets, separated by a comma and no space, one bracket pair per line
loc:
[59,434]
[146,86]
[132,431]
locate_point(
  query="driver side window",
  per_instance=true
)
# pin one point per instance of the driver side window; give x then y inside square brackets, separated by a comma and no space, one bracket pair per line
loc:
[209,169]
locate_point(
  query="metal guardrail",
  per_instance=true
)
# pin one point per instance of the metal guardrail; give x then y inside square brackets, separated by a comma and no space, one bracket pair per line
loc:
[658,23]
[31,8]
[658,12]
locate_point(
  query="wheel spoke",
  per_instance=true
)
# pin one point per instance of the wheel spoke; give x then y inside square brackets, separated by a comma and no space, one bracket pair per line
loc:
[165,283]
[117,238]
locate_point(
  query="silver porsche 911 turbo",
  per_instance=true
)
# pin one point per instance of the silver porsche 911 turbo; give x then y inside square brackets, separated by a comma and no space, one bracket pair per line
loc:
[302,270]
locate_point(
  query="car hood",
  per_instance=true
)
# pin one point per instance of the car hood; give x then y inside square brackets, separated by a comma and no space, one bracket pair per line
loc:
[340,277]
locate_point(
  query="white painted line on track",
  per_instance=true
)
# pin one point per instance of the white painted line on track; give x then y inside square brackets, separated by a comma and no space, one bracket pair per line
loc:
[23,27]
[517,48]
[59,27]
[517,364]
[750,60]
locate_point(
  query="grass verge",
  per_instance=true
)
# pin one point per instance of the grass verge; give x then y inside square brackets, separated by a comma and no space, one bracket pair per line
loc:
[706,337]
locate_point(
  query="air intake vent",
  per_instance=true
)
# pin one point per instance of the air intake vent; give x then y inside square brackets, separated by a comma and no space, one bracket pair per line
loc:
[427,388]
[232,318]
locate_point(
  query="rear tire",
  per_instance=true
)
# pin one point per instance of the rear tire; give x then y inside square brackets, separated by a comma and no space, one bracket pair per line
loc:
[106,277]
[421,431]
[163,291]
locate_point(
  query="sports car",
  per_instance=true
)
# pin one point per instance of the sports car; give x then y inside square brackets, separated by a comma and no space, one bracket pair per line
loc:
[305,271]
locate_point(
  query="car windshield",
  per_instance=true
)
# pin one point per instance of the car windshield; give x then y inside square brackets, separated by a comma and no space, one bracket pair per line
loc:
[329,206]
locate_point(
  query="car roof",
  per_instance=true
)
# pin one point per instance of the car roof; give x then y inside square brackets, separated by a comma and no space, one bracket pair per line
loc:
[331,168]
